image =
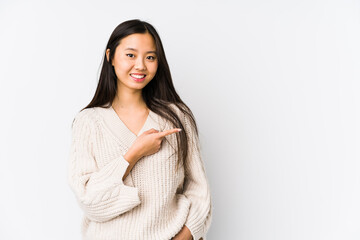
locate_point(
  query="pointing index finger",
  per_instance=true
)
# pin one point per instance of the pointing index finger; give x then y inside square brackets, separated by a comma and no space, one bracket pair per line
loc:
[170,131]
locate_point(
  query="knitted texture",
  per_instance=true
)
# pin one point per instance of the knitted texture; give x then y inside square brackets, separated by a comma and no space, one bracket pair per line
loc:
[154,201]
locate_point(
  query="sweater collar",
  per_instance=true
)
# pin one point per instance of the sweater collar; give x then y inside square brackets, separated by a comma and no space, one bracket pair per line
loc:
[118,128]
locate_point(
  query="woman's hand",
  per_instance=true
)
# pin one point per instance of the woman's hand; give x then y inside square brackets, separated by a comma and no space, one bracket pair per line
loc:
[149,142]
[184,234]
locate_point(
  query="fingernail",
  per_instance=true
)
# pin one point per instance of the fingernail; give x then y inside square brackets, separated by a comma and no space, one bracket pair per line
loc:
[179,129]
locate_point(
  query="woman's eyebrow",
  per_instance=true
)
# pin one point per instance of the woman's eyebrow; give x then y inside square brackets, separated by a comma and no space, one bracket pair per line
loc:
[133,49]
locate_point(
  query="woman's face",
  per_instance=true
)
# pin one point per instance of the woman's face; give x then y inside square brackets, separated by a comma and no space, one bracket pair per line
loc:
[135,61]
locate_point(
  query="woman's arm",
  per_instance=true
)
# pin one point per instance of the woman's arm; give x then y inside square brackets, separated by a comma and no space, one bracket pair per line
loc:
[131,157]
[196,188]
[101,193]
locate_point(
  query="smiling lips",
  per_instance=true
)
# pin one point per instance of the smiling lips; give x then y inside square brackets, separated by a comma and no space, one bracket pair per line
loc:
[138,77]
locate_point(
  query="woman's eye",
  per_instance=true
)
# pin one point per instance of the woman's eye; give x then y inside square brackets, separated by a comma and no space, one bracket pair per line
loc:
[151,57]
[130,55]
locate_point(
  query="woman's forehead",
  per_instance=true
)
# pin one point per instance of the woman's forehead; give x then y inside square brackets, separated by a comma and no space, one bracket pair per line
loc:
[138,42]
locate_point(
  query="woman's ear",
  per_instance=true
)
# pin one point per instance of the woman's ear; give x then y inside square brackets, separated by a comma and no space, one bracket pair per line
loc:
[107,54]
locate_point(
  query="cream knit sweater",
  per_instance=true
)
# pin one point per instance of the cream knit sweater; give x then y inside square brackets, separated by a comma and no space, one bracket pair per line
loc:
[154,201]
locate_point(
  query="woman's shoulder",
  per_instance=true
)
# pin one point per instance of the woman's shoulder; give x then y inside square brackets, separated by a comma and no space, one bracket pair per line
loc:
[85,116]
[176,108]
[182,110]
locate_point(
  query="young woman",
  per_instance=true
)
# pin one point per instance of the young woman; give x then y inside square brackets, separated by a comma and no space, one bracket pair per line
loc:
[135,163]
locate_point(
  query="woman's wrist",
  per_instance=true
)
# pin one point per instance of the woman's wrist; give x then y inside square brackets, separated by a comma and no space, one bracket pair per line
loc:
[132,155]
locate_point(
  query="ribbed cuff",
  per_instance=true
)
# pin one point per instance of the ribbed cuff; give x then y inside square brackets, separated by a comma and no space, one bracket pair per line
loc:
[121,169]
[111,175]
[195,235]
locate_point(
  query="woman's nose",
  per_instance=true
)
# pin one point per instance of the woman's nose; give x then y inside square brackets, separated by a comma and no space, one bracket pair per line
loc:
[139,65]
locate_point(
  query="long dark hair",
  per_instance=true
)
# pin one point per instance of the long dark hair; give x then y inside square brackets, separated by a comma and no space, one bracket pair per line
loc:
[157,94]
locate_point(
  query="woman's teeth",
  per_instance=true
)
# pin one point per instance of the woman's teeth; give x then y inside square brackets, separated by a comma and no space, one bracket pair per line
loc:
[138,76]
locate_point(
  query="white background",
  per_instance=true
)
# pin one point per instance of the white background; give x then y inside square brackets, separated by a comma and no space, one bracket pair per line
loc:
[274,86]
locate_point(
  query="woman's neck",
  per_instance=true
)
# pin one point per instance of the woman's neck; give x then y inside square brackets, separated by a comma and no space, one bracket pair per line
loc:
[129,100]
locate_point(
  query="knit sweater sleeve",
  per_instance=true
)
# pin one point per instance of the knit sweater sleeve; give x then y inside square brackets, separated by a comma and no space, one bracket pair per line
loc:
[196,188]
[101,193]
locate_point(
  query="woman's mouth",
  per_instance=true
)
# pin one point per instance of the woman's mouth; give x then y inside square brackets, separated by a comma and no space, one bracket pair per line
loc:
[138,77]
